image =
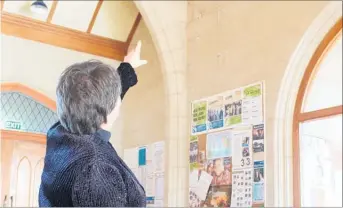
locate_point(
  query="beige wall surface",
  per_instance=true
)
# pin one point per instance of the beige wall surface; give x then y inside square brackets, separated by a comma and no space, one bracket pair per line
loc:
[39,66]
[144,108]
[232,44]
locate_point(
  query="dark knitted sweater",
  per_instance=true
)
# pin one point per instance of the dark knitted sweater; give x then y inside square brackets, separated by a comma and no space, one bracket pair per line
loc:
[85,171]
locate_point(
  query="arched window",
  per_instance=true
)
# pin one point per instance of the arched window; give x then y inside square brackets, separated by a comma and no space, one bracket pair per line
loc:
[317,127]
[23,109]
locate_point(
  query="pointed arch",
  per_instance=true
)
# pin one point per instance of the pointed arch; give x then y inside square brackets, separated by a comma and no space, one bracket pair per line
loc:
[23,161]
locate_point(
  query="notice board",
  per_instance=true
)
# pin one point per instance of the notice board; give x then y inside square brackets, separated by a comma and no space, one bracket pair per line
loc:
[226,152]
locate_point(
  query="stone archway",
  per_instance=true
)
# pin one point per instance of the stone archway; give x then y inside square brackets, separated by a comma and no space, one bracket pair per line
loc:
[168,31]
[283,166]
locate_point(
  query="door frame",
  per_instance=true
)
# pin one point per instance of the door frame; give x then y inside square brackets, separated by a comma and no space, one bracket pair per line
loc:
[35,95]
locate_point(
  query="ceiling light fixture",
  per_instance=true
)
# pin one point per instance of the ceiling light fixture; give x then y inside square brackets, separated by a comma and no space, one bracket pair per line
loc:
[39,7]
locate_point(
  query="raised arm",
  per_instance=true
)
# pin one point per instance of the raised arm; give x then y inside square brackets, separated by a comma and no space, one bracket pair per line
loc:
[126,69]
[128,77]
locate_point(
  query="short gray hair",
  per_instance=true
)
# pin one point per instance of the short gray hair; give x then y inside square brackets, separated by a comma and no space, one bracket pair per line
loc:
[86,93]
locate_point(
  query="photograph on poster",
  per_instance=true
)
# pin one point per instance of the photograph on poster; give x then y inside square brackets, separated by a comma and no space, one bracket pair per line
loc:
[220,169]
[258,145]
[199,116]
[215,113]
[193,152]
[258,188]
[218,196]
[258,173]
[233,108]
[218,145]
[258,132]
[245,142]
[194,200]
[245,152]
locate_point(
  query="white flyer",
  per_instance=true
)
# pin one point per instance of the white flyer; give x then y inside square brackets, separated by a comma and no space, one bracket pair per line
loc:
[242,150]
[242,188]
[252,104]
[150,179]
[158,203]
[131,157]
[158,157]
[193,179]
[159,186]
[203,185]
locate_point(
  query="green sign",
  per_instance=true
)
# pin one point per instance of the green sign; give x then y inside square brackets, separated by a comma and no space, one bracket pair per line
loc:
[200,113]
[13,125]
[253,91]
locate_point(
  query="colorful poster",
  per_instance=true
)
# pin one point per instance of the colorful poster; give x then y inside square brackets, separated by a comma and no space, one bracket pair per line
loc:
[242,188]
[221,171]
[218,145]
[215,113]
[242,150]
[150,201]
[258,192]
[252,105]
[258,138]
[199,116]
[193,153]
[218,196]
[142,156]
[233,108]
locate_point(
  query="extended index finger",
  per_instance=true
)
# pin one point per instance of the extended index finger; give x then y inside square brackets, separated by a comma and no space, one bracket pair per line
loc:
[138,47]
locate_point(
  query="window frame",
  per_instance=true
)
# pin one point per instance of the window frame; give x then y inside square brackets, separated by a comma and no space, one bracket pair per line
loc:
[299,116]
[39,97]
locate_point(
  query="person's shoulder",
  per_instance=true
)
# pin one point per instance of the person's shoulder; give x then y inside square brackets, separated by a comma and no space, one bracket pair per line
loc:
[100,170]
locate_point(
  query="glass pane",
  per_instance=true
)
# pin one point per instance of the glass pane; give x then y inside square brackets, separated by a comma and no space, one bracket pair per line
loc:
[22,197]
[21,113]
[325,90]
[321,162]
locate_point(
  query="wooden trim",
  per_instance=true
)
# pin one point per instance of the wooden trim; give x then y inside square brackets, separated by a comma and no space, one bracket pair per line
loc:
[31,29]
[322,113]
[133,29]
[41,98]
[299,116]
[23,136]
[52,11]
[96,11]
[2,4]
[315,61]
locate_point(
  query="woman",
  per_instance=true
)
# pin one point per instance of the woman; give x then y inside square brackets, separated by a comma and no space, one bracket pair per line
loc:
[81,167]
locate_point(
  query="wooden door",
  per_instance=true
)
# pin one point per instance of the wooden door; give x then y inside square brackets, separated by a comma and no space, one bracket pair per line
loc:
[23,167]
